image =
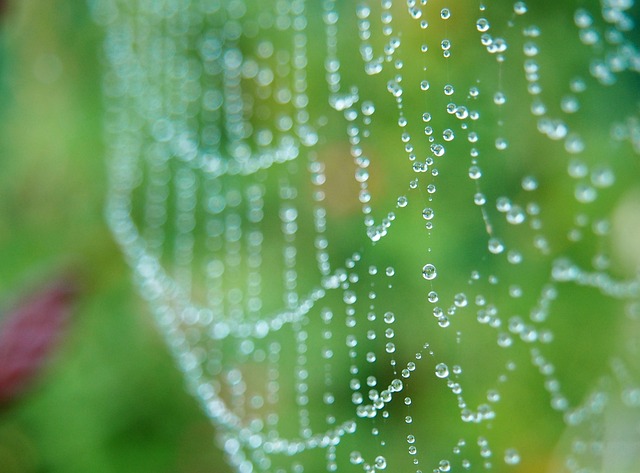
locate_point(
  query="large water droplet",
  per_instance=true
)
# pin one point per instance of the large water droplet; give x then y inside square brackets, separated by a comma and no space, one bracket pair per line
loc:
[429,272]
[442,370]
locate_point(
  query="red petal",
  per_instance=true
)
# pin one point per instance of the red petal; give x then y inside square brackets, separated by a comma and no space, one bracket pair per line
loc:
[28,334]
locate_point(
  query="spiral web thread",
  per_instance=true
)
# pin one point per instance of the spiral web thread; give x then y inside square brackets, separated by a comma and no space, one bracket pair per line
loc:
[359,224]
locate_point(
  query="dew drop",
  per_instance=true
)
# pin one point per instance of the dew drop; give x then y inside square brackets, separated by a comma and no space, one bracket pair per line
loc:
[482,25]
[495,246]
[429,272]
[515,215]
[448,135]
[520,8]
[442,370]
[475,172]
[511,457]
[356,458]
[529,183]
[460,300]
[428,213]
[499,98]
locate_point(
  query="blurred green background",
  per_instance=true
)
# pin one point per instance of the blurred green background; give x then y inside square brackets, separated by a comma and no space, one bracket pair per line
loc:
[110,399]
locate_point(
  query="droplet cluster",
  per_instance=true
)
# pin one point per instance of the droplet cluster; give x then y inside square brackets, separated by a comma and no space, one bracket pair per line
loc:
[354,219]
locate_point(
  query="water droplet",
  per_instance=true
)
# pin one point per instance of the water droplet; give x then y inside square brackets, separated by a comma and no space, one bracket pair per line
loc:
[495,246]
[514,257]
[445,14]
[349,297]
[520,8]
[504,340]
[499,98]
[448,135]
[442,370]
[368,108]
[482,25]
[428,213]
[529,183]
[460,300]
[356,458]
[380,462]
[569,104]
[511,457]
[429,272]
[585,194]
[515,215]
[437,149]
[603,177]
[475,172]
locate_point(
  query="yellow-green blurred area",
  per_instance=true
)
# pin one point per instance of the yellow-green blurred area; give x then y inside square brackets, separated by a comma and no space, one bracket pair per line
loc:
[110,398]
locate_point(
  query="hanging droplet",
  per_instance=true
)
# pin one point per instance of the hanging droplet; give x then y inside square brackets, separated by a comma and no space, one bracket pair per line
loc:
[495,246]
[356,458]
[520,8]
[380,462]
[442,370]
[428,213]
[429,272]
[511,457]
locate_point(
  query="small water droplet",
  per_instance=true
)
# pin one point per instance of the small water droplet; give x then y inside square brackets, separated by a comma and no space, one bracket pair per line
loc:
[495,246]
[428,213]
[429,272]
[511,457]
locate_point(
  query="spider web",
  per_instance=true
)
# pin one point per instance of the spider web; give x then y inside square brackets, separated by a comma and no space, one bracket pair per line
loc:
[386,235]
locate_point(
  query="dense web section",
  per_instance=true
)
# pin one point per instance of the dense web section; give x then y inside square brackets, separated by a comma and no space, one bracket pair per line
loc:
[394,235]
